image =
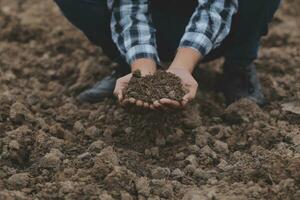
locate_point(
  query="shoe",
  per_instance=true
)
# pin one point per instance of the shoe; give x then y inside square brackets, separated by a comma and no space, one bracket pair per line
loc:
[241,82]
[103,89]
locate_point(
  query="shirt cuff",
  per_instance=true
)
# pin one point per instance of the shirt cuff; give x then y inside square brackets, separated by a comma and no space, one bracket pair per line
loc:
[142,51]
[198,41]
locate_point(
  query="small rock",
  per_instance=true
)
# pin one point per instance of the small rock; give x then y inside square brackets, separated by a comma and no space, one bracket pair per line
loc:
[194,149]
[192,159]
[206,150]
[223,165]
[52,160]
[202,138]
[125,196]
[212,181]
[142,186]
[128,130]
[177,174]
[78,127]
[84,156]
[92,132]
[20,180]
[105,196]
[243,110]
[200,174]
[96,146]
[160,173]
[14,145]
[66,187]
[179,156]
[221,147]
[162,189]
[19,113]
[189,169]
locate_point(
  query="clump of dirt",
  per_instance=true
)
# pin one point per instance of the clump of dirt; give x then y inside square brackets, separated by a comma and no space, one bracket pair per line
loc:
[151,88]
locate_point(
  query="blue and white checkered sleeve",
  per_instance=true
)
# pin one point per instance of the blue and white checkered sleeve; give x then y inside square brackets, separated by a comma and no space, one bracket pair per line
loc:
[132,30]
[209,25]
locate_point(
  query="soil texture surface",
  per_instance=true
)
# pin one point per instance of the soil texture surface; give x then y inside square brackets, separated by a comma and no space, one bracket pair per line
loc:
[154,87]
[53,148]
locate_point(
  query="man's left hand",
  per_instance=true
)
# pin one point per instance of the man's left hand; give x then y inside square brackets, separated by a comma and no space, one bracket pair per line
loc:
[189,84]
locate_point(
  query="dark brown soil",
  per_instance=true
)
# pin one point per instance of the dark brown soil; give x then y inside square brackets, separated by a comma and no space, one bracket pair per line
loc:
[154,87]
[53,148]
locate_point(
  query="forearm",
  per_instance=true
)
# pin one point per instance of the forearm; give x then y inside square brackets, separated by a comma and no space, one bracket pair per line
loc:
[209,25]
[186,58]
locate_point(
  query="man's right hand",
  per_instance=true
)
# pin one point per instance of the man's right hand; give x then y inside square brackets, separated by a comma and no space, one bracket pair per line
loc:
[146,67]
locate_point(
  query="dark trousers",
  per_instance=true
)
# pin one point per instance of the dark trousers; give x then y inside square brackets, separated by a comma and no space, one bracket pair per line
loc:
[170,18]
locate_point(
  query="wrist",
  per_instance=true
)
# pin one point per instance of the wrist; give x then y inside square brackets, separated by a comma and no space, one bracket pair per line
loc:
[181,67]
[145,65]
[186,58]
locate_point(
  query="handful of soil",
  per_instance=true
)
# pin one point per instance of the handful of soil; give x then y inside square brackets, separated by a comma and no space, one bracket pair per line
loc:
[154,87]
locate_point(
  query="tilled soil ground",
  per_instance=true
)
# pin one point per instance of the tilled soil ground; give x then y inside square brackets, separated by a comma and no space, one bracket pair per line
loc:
[52,147]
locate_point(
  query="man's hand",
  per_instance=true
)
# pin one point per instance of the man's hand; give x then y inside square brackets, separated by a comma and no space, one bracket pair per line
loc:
[146,66]
[189,84]
[182,66]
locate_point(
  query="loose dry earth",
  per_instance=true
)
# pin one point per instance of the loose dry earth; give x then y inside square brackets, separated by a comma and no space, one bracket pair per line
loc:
[52,147]
[151,88]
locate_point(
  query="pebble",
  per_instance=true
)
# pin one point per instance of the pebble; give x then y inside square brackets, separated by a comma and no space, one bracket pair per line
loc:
[223,165]
[177,174]
[142,186]
[206,150]
[84,156]
[221,147]
[202,138]
[192,159]
[14,145]
[105,196]
[128,130]
[160,173]
[92,132]
[179,156]
[20,180]
[52,159]
[96,146]
[189,169]
[125,196]
[78,127]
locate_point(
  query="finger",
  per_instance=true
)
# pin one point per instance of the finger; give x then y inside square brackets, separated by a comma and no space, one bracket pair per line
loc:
[187,98]
[151,106]
[146,105]
[159,106]
[139,103]
[125,102]
[170,103]
[132,100]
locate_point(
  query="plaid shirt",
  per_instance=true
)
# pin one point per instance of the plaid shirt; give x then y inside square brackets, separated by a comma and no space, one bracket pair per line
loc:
[134,34]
